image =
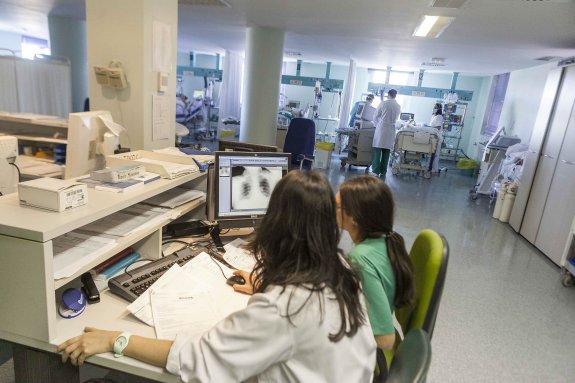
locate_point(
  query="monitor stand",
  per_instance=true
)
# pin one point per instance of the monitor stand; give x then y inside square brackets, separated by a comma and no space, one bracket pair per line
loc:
[215,234]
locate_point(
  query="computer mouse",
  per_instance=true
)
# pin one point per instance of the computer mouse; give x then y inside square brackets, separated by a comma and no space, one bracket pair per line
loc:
[236,280]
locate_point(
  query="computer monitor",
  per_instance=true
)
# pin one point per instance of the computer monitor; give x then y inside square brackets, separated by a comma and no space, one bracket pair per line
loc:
[91,137]
[240,185]
[198,93]
[235,146]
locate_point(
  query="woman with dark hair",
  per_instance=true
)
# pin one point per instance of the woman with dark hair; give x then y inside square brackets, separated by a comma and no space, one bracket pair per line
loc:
[305,321]
[365,210]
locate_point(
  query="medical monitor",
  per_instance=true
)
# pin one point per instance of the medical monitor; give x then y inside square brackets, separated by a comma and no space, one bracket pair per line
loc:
[91,137]
[365,111]
[407,116]
[235,146]
[293,104]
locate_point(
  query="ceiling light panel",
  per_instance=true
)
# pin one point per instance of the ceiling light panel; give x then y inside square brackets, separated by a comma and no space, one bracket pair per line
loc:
[447,3]
[432,26]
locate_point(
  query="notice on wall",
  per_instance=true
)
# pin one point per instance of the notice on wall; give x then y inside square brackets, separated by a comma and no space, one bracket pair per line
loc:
[160,118]
[162,47]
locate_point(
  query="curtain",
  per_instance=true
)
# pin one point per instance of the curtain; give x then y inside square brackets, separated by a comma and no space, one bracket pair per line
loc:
[348,91]
[231,89]
[44,87]
[8,89]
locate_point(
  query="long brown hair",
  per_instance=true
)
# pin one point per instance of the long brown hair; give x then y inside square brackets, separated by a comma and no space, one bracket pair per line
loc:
[296,244]
[369,202]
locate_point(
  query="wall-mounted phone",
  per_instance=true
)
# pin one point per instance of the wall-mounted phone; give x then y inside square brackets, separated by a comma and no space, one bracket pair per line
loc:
[113,75]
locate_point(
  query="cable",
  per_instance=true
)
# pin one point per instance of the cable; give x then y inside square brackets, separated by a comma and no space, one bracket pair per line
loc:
[136,261]
[17,168]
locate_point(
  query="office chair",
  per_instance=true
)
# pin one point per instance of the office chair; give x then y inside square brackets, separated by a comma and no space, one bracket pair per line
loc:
[412,359]
[430,255]
[300,142]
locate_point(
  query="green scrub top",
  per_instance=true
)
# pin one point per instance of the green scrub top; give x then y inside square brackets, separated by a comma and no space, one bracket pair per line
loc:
[378,283]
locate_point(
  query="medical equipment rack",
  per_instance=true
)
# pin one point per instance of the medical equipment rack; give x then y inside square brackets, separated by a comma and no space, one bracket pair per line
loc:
[568,259]
[453,121]
[360,147]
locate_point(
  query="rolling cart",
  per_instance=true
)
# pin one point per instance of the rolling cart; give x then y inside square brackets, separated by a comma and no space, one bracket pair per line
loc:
[568,259]
[359,153]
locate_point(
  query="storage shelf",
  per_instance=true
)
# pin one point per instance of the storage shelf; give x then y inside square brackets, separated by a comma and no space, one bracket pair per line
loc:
[43,225]
[127,241]
[49,140]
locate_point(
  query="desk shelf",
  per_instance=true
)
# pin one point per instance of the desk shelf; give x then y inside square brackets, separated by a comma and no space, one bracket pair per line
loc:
[28,292]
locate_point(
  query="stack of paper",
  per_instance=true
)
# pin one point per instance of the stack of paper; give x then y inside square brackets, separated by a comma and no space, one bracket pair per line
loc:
[134,218]
[175,197]
[173,169]
[185,299]
[74,250]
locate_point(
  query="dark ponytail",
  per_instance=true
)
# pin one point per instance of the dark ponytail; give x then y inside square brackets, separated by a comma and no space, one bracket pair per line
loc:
[369,202]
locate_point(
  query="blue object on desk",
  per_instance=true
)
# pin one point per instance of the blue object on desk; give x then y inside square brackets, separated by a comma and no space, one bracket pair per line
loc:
[120,265]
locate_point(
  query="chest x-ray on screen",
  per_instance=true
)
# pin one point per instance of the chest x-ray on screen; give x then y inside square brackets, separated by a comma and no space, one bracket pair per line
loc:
[252,186]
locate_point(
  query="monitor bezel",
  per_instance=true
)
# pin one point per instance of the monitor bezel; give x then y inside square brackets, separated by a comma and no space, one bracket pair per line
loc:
[238,221]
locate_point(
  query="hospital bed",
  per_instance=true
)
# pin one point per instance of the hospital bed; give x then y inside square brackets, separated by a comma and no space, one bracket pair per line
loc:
[413,149]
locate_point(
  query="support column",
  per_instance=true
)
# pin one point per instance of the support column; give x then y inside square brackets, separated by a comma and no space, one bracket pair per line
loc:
[124,31]
[68,39]
[264,54]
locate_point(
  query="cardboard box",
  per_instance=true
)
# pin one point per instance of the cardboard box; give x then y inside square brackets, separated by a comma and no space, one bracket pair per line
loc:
[52,194]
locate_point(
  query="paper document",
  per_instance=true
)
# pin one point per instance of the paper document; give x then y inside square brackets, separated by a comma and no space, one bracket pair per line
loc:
[124,222]
[172,168]
[74,250]
[178,312]
[175,197]
[239,257]
[199,276]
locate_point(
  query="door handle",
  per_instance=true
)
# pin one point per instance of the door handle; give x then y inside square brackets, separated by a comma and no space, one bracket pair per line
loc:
[548,156]
[568,162]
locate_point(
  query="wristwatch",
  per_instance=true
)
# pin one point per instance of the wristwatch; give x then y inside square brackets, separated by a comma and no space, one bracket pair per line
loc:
[121,343]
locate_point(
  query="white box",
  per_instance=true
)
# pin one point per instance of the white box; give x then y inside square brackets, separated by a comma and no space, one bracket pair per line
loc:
[52,194]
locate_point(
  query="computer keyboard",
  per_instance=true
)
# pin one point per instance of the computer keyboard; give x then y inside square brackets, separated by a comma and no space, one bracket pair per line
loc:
[136,281]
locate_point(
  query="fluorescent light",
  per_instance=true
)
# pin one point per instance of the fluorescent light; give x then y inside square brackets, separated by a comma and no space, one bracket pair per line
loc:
[432,26]
[425,25]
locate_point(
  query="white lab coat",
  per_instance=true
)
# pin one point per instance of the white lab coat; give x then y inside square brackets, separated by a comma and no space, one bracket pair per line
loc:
[437,123]
[386,115]
[259,344]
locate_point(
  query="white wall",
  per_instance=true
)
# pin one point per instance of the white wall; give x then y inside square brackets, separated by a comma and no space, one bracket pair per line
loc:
[10,40]
[522,99]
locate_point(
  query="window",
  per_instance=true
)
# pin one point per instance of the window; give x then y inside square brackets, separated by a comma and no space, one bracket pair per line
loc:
[497,97]
[32,46]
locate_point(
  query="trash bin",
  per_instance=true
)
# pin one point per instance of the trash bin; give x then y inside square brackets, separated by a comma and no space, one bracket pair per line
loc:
[323,154]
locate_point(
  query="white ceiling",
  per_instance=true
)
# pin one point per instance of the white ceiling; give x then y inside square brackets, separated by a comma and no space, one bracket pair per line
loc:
[487,36]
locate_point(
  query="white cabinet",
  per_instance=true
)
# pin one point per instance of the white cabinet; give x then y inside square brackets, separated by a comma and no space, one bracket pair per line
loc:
[28,292]
[545,207]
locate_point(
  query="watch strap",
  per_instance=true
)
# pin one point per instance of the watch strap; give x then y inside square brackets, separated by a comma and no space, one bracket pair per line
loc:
[119,346]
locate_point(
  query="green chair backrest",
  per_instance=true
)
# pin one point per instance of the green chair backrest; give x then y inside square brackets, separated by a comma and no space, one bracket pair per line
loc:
[429,254]
[412,359]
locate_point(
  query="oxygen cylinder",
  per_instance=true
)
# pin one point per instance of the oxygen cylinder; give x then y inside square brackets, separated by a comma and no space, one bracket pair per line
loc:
[508,203]
[500,190]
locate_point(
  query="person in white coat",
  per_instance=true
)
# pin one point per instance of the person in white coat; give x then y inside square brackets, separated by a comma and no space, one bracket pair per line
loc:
[436,123]
[386,115]
[306,321]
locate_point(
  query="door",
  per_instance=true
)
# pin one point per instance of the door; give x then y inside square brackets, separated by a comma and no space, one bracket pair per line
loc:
[539,130]
[560,206]
[549,156]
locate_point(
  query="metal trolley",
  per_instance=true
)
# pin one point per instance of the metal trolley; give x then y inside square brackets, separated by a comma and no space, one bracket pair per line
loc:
[413,150]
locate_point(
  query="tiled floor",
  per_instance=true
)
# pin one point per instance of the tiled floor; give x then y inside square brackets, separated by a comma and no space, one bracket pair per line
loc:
[504,315]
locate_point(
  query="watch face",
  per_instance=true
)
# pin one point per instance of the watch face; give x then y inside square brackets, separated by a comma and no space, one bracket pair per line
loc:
[121,342]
